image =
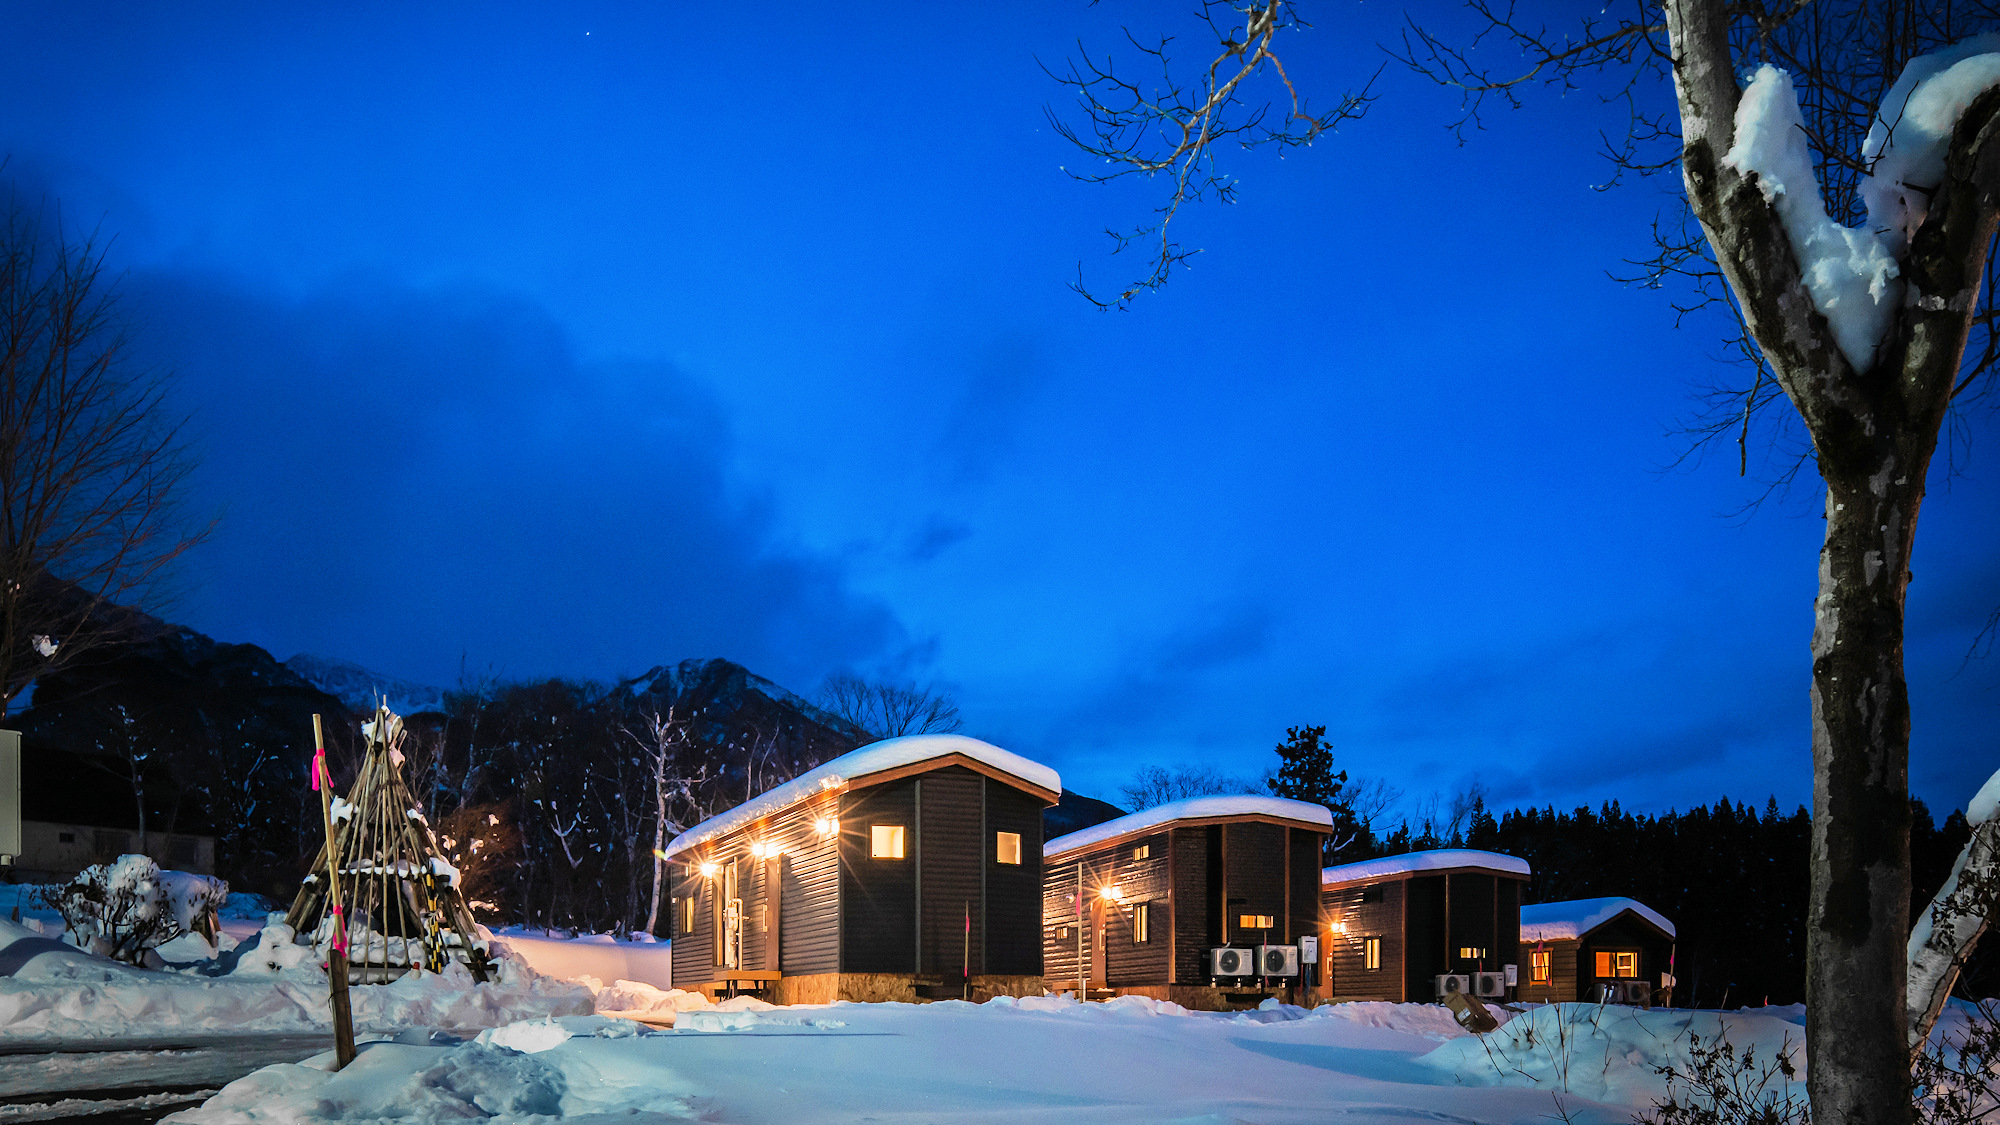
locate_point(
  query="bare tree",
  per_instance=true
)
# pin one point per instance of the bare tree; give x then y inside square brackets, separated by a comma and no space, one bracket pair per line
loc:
[91,466]
[1156,785]
[661,742]
[890,710]
[1909,245]
[1158,124]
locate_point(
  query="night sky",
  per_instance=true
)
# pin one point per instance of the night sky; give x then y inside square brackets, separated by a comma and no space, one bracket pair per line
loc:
[532,342]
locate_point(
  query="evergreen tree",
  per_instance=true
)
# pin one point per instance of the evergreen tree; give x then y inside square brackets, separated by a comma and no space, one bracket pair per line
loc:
[1305,773]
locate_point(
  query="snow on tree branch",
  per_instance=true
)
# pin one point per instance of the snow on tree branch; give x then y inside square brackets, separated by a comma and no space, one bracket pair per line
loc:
[1958,915]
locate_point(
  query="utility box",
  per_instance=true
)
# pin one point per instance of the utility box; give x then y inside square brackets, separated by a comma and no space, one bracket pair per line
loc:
[10,797]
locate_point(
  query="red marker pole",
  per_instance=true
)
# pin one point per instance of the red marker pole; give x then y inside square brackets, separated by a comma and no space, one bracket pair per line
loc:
[336,951]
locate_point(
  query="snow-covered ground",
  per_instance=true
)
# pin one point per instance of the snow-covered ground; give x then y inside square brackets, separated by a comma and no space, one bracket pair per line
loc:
[600,956]
[1031,1060]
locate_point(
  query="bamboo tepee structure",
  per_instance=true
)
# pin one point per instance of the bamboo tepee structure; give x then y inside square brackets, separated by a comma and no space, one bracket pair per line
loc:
[399,899]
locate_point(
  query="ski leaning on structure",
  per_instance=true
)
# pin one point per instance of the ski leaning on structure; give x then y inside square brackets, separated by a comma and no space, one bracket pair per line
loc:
[398,900]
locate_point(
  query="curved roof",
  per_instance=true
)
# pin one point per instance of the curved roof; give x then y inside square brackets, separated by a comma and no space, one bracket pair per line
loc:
[1440,859]
[857,765]
[1556,921]
[1194,808]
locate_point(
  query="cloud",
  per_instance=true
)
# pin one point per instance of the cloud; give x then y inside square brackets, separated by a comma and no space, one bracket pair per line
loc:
[1165,677]
[412,478]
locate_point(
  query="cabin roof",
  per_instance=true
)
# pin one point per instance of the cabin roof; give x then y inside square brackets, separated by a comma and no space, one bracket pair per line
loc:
[1557,921]
[857,766]
[1194,808]
[1409,863]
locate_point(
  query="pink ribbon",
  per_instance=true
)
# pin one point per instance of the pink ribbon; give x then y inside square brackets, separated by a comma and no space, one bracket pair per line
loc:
[318,768]
[339,932]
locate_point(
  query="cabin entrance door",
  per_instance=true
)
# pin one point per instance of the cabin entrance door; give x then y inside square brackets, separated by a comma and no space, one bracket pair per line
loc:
[732,922]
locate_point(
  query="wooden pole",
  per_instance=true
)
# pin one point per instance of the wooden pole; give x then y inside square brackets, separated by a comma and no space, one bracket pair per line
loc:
[336,946]
[1082,980]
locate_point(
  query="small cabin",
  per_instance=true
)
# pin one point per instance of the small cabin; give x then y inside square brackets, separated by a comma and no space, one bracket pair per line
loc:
[1201,902]
[906,870]
[1596,949]
[1407,928]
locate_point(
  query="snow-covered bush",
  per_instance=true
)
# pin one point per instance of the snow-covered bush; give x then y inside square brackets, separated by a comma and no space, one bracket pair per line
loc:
[124,908]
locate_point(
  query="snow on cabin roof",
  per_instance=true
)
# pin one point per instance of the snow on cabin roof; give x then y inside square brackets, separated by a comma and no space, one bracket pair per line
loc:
[1556,921]
[876,757]
[1190,809]
[1439,859]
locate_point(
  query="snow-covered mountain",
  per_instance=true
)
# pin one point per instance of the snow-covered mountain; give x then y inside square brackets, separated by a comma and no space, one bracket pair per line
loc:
[360,687]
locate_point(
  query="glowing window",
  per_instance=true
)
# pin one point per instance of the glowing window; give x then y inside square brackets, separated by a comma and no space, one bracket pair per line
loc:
[1008,847]
[688,914]
[1471,952]
[1538,966]
[885,841]
[1628,964]
[1256,922]
[1142,923]
[1143,851]
[1371,954]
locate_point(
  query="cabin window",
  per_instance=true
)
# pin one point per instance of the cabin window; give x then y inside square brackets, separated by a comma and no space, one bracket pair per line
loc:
[1143,851]
[1256,922]
[688,906]
[1471,952]
[1008,846]
[1614,964]
[1371,954]
[1062,933]
[1142,923]
[885,841]
[1372,894]
[1538,966]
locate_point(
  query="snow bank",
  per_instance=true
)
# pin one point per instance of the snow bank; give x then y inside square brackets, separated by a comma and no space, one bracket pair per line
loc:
[1189,809]
[1437,859]
[594,955]
[888,754]
[269,984]
[1559,921]
[1611,1053]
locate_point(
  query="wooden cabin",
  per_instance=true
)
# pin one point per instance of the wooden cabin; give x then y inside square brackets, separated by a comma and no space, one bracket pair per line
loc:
[1593,949]
[1391,927]
[905,870]
[1141,903]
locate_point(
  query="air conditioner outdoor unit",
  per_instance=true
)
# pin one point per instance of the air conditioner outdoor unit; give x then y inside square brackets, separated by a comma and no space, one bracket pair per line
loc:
[1225,961]
[1639,992]
[1490,985]
[1448,983]
[1277,960]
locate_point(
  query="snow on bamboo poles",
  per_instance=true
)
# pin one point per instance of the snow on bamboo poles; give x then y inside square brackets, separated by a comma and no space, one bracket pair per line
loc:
[395,904]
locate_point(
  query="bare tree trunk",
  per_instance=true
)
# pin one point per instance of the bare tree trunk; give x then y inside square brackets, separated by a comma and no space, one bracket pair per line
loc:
[1873,434]
[1955,919]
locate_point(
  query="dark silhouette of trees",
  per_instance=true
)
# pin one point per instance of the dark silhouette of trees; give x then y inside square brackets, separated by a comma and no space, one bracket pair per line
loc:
[92,467]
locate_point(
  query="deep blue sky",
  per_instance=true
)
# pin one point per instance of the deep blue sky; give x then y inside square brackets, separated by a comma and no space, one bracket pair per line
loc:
[574,342]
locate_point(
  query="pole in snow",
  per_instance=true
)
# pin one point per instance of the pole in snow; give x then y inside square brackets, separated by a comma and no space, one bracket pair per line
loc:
[336,946]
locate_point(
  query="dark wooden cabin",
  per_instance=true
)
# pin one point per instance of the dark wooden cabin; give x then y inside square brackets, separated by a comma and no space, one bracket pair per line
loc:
[905,870]
[1136,905]
[1390,927]
[1593,949]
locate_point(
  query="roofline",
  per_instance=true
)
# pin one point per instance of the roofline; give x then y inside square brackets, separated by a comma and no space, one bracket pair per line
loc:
[1641,918]
[1183,822]
[1399,876]
[688,854]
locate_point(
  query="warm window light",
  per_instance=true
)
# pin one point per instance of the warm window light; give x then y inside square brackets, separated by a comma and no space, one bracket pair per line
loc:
[885,841]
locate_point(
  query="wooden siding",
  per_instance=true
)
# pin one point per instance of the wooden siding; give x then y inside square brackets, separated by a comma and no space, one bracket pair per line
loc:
[1347,975]
[1059,951]
[948,864]
[878,897]
[1140,881]
[1423,936]
[1562,984]
[801,916]
[1302,895]
[1194,919]
[1254,883]
[1013,890]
